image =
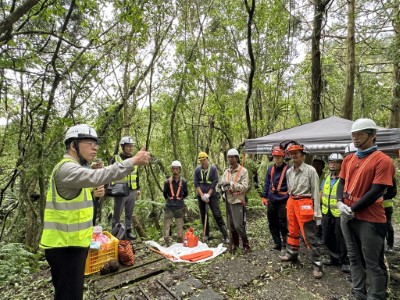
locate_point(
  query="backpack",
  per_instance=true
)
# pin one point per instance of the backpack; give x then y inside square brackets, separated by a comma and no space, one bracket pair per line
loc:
[125,253]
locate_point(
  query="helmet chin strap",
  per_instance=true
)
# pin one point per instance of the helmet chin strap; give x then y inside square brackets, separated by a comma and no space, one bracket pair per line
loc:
[82,161]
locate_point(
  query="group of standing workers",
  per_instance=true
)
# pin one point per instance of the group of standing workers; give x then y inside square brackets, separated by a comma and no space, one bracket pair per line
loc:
[353,202]
[349,202]
[235,181]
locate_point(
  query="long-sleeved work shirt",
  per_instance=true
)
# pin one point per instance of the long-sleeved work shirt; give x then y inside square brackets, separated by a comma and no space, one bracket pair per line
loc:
[269,182]
[304,181]
[175,198]
[72,177]
[206,179]
[239,183]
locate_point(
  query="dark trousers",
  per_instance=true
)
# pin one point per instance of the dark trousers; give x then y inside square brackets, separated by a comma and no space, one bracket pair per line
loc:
[127,203]
[67,271]
[333,239]
[277,221]
[389,226]
[216,212]
[364,241]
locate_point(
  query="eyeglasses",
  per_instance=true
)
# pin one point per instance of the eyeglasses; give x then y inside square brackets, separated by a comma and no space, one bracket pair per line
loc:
[92,144]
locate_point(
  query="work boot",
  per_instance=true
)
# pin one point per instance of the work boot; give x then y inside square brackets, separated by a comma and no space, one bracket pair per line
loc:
[289,256]
[246,246]
[224,234]
[277,246]
[345,268]
[389,250]
[317,270]
[129,235]
[331,262]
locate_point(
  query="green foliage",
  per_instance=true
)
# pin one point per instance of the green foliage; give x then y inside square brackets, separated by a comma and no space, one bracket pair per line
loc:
[17,262]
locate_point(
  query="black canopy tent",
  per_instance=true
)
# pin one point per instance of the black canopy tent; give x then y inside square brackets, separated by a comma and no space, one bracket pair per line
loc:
[323,137]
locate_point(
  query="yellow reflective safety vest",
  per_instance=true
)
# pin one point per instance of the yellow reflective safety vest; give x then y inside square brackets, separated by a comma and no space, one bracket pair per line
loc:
[67,222]
[131,178]
[329,198]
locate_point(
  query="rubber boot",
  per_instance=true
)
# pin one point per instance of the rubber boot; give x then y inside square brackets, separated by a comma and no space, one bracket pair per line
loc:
[129,235]
[224,234]
[246,246]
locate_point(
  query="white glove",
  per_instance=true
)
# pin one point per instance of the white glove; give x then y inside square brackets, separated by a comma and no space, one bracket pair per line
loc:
[345,211]
[205,197]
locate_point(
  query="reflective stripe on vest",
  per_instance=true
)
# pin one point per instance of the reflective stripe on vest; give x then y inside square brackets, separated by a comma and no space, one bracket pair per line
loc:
[67,222]
[171,189]
[278,189]
[131,178]
[235,180]
[207,180]
[329,197]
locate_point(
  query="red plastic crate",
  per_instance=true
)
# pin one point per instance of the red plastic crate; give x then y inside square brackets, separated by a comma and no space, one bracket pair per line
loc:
[96,259]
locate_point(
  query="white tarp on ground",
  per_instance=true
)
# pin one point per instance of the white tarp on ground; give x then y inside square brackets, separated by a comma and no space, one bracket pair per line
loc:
[176,250]
[323,137]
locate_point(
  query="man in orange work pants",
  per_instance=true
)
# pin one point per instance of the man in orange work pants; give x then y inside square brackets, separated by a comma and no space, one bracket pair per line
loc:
[303,208]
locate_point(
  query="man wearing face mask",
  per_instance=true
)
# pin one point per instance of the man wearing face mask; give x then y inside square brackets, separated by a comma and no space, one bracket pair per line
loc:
[364,177]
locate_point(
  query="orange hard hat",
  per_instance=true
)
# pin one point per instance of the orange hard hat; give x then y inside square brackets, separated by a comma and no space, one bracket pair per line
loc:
[294,147]
[277,151]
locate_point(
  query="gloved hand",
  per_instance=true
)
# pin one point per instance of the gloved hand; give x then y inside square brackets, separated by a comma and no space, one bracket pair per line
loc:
[226,184]
[345,211]
[206,197]
[264,201]
[244,203]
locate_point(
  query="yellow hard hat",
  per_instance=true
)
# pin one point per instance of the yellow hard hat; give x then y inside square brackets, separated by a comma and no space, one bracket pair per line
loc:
[202,156]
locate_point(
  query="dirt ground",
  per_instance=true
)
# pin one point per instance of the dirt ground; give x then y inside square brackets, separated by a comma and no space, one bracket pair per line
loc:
[259,275]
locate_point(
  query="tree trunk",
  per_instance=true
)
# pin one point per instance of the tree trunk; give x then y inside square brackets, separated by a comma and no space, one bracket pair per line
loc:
[316,73]
[395,114]
[351,65]
[250,10]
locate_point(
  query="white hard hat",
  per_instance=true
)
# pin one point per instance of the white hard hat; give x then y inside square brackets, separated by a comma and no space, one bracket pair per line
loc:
[80,132]
[126,140]
[176,163]
[335,157]
[363,124]
[350,148]
[232,152]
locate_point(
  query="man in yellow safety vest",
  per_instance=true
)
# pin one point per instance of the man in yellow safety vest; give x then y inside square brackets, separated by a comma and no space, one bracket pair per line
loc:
[333,237]
[67,224]
[127,202]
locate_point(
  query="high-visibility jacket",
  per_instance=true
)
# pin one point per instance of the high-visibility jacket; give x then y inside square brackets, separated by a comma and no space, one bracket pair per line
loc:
[67,222]
[131,178]
[329,197]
